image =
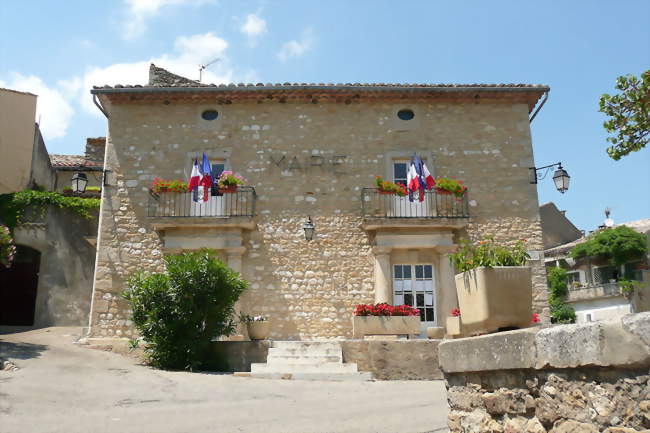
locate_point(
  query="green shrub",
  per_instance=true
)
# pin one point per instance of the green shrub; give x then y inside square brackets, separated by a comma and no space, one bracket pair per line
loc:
[488,253]
[558,291]
[178,312]
[618,245]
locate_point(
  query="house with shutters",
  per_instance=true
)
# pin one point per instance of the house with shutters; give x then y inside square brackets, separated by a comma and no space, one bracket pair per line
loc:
[311,152]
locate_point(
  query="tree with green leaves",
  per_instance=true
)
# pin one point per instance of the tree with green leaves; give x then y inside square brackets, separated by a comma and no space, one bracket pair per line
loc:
[629,115]
[617,245]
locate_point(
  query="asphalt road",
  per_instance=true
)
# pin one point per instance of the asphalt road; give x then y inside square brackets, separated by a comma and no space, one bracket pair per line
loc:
[64,387]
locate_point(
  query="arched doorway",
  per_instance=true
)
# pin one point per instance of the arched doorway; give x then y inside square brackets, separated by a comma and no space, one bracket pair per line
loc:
[18,285]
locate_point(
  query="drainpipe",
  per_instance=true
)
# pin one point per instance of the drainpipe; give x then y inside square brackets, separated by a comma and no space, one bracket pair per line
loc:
[99,105]
[538,108]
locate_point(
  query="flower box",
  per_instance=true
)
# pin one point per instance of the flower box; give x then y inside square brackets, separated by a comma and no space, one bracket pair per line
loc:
[385,325]
[453,326]
[494,298]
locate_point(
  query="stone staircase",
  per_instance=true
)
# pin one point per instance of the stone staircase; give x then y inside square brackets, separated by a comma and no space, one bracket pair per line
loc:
[307,360]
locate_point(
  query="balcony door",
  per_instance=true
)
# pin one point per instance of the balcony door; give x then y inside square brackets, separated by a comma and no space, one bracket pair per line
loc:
[402,206]
[414,285]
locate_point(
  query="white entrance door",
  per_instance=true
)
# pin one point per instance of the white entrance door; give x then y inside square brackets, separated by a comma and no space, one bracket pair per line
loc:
[414,285]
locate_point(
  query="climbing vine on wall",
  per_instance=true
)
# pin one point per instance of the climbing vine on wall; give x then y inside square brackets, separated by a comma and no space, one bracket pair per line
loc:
[561,312]
[618,245]
[14,205]
[7,247]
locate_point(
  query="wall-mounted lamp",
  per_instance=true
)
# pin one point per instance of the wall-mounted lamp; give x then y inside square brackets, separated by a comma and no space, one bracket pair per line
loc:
[309,227]
[560,177]
[105,177]
[79,182]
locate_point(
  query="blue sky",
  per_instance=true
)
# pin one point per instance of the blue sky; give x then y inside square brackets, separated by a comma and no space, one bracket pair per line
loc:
[58,49]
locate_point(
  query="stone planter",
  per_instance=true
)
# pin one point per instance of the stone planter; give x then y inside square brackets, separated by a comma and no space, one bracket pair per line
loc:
[435,332]
[453,326]
[258,330]
[493,298]
[385,325]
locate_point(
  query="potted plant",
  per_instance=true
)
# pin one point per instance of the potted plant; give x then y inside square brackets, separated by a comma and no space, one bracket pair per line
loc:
[453,325]
[388,187]
[257,326]
[7,247]
[385,319]
[229,181]
[494,286]
[161,185]
[448,185]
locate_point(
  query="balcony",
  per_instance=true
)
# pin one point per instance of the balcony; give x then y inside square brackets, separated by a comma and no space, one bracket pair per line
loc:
[444,210]
[174,209]
[594,291]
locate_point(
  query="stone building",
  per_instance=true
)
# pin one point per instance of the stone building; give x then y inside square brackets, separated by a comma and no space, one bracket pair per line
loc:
[313,150]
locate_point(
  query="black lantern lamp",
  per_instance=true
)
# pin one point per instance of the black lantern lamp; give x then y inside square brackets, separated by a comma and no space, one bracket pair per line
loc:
[560,177]
[308,227]
[79,182]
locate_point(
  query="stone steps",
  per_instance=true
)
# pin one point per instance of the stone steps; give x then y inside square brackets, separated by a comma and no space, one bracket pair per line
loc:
[307,360]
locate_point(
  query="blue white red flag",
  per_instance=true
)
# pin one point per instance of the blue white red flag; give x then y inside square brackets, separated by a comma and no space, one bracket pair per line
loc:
[418,178]
[195,180]
[206,179]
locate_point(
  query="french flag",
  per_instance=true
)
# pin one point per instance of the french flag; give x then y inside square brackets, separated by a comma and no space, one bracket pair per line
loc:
[418,178]
[195,180]
[206,180]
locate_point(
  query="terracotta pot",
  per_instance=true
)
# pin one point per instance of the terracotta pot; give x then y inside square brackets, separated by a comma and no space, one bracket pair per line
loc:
[493,298]
[258,330]
[385,325]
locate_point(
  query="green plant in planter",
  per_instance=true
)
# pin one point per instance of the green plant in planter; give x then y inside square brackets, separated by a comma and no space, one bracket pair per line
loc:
[488,253]
[618,245]
[451,186]
[558,291]
[179,311]
[390,187]
[628,287]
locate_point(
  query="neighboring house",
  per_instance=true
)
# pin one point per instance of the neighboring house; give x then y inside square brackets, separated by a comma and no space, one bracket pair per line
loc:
[24,161]
[50,280]
[594,290]
[313,150]
[91,164]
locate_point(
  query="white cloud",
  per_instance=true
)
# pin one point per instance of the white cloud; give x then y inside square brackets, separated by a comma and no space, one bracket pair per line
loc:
[52,107]
[253,26]
[189,53]
[296,48]
[139,11]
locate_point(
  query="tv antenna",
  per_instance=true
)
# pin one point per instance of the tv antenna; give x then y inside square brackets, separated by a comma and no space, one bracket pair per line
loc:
[202,67]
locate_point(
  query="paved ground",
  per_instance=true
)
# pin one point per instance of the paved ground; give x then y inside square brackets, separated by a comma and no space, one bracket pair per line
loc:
[62,387]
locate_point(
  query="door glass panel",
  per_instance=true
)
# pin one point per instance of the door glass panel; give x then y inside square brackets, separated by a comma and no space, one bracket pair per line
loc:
[414,285]
[399,299]
[398,271]
[407,271]
[408,299]
[420,299]
[428,272]
[419,271]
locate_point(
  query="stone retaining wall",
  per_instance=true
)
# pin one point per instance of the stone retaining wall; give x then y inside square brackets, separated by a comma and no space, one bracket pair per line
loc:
[571,378]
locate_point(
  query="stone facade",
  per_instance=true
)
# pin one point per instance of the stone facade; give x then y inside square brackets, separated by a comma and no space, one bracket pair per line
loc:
[310,154]
[569,378]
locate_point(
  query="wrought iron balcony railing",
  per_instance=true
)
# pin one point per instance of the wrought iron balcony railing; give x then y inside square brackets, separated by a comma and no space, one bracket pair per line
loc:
[239,203]
[377,204]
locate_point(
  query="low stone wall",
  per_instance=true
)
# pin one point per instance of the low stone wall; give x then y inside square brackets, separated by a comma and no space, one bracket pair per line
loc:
[395,360]
[585,378]
[237,355]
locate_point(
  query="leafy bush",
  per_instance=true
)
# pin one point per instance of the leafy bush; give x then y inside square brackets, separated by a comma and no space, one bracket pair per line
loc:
[178,312]
[228,178]
[558,291]
[618,245]
[488,253]
[628,287]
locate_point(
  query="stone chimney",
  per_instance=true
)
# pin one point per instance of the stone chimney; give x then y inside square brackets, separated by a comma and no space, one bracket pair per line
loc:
[95,149]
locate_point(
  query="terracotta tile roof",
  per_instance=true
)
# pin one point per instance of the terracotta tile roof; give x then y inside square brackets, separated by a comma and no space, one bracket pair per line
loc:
[72,162]
[160,78]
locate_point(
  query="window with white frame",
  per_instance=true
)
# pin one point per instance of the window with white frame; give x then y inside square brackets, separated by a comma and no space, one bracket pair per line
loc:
[400,170]
[414,285]
[574,279]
